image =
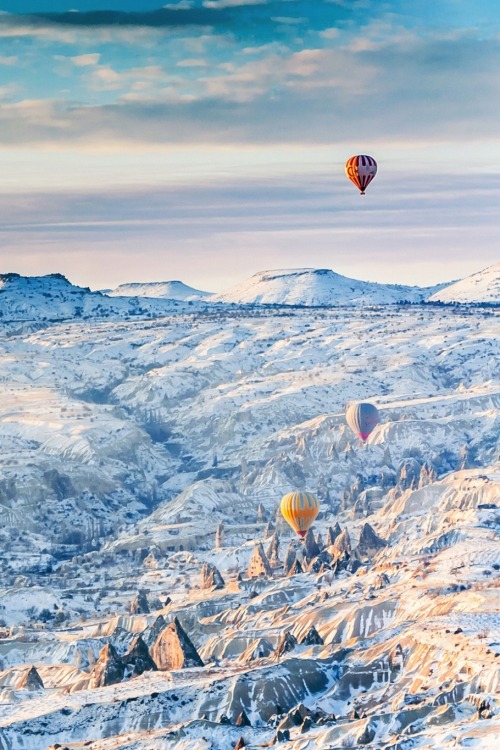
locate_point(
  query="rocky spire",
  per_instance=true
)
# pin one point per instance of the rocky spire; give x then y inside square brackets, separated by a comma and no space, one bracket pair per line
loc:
[287,643]
[332,534]
[219,535]
[242,720]
[369,541]
[140,605]
[320,542]
[312,549]
[269,529]
[210,577]
[261,513]
[151,560]
[290,556]
[312,638]
[173,649]
[32,680]
[259,564]
[296,568]
[108,669]
[138,658]
[240,744]
[274,549]
[341,545]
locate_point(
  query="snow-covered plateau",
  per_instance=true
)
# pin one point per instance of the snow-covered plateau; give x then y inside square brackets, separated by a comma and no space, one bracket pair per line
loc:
[152,598]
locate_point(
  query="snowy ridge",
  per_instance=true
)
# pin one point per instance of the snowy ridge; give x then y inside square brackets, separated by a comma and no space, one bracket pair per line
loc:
[317,287]
[160,289]
[481,287]
[53,297]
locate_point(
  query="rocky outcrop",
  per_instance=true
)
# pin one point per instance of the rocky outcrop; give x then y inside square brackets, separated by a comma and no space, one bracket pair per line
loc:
[273,549]
[311,546]
[219,535]
[259,564]
[259,649]
[240,744]
[369,542]
[211,579]
[295,569]
[312,638]
[140,605]
[31,681]
[151,633]
[108,669]
[173,649]
[341,546]
[332,535]
[286,644]
[138,659]
[242,720]
[290,557]
[269,529]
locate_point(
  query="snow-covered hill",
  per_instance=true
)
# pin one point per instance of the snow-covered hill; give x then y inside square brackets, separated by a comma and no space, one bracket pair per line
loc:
[161,289]
[317,287]
[134,451]
[53,297]
[481,287]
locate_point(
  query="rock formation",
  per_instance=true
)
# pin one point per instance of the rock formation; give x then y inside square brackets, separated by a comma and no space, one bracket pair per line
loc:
[173,649]
[151,633]
[31,680]
[140,605]
[312,638]
[259,564]
[286,643]
[310,544]
[108,669]
[332,535]
[369,542]
[138,659]
[341,545]
[242,720]
[211,578]
[274,549]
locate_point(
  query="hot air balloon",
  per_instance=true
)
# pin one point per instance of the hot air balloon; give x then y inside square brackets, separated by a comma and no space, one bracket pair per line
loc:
[361,170]
[299,509]
[362,418]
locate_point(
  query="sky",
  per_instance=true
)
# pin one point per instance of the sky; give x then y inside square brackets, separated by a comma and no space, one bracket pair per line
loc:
[205,140]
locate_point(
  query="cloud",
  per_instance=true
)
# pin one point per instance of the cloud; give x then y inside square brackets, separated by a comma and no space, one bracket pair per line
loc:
[83,61]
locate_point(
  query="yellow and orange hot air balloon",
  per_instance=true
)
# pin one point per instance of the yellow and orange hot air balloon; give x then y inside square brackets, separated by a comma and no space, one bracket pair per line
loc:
[361,170]
[299,509]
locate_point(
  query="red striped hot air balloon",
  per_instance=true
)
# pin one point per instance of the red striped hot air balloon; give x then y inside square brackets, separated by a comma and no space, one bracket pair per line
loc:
[299,509]
[362,418]
[361,170]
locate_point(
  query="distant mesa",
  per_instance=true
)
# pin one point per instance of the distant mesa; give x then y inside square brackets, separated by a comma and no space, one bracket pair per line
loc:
[159,289]
[318,287]
[482,287]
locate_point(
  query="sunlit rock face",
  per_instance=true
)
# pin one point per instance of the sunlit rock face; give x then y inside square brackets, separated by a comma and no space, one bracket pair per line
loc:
[142,459]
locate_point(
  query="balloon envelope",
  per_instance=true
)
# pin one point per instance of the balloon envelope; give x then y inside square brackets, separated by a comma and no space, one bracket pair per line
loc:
[361,170]
[362,418]
[299,509]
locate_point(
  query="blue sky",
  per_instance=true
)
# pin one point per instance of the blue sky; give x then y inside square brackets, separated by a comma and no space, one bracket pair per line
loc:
[206,140]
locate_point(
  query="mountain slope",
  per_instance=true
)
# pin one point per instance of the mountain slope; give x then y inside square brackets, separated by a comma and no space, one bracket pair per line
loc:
[53,297]
[483,286]
[162,289]
[317,287]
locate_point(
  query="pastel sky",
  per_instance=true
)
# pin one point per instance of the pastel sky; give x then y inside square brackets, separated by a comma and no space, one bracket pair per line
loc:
[205,140]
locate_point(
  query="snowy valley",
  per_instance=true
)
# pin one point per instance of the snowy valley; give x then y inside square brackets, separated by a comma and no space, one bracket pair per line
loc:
[152,596]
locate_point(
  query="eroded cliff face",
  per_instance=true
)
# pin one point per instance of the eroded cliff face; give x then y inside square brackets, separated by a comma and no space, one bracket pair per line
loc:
[381,630]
